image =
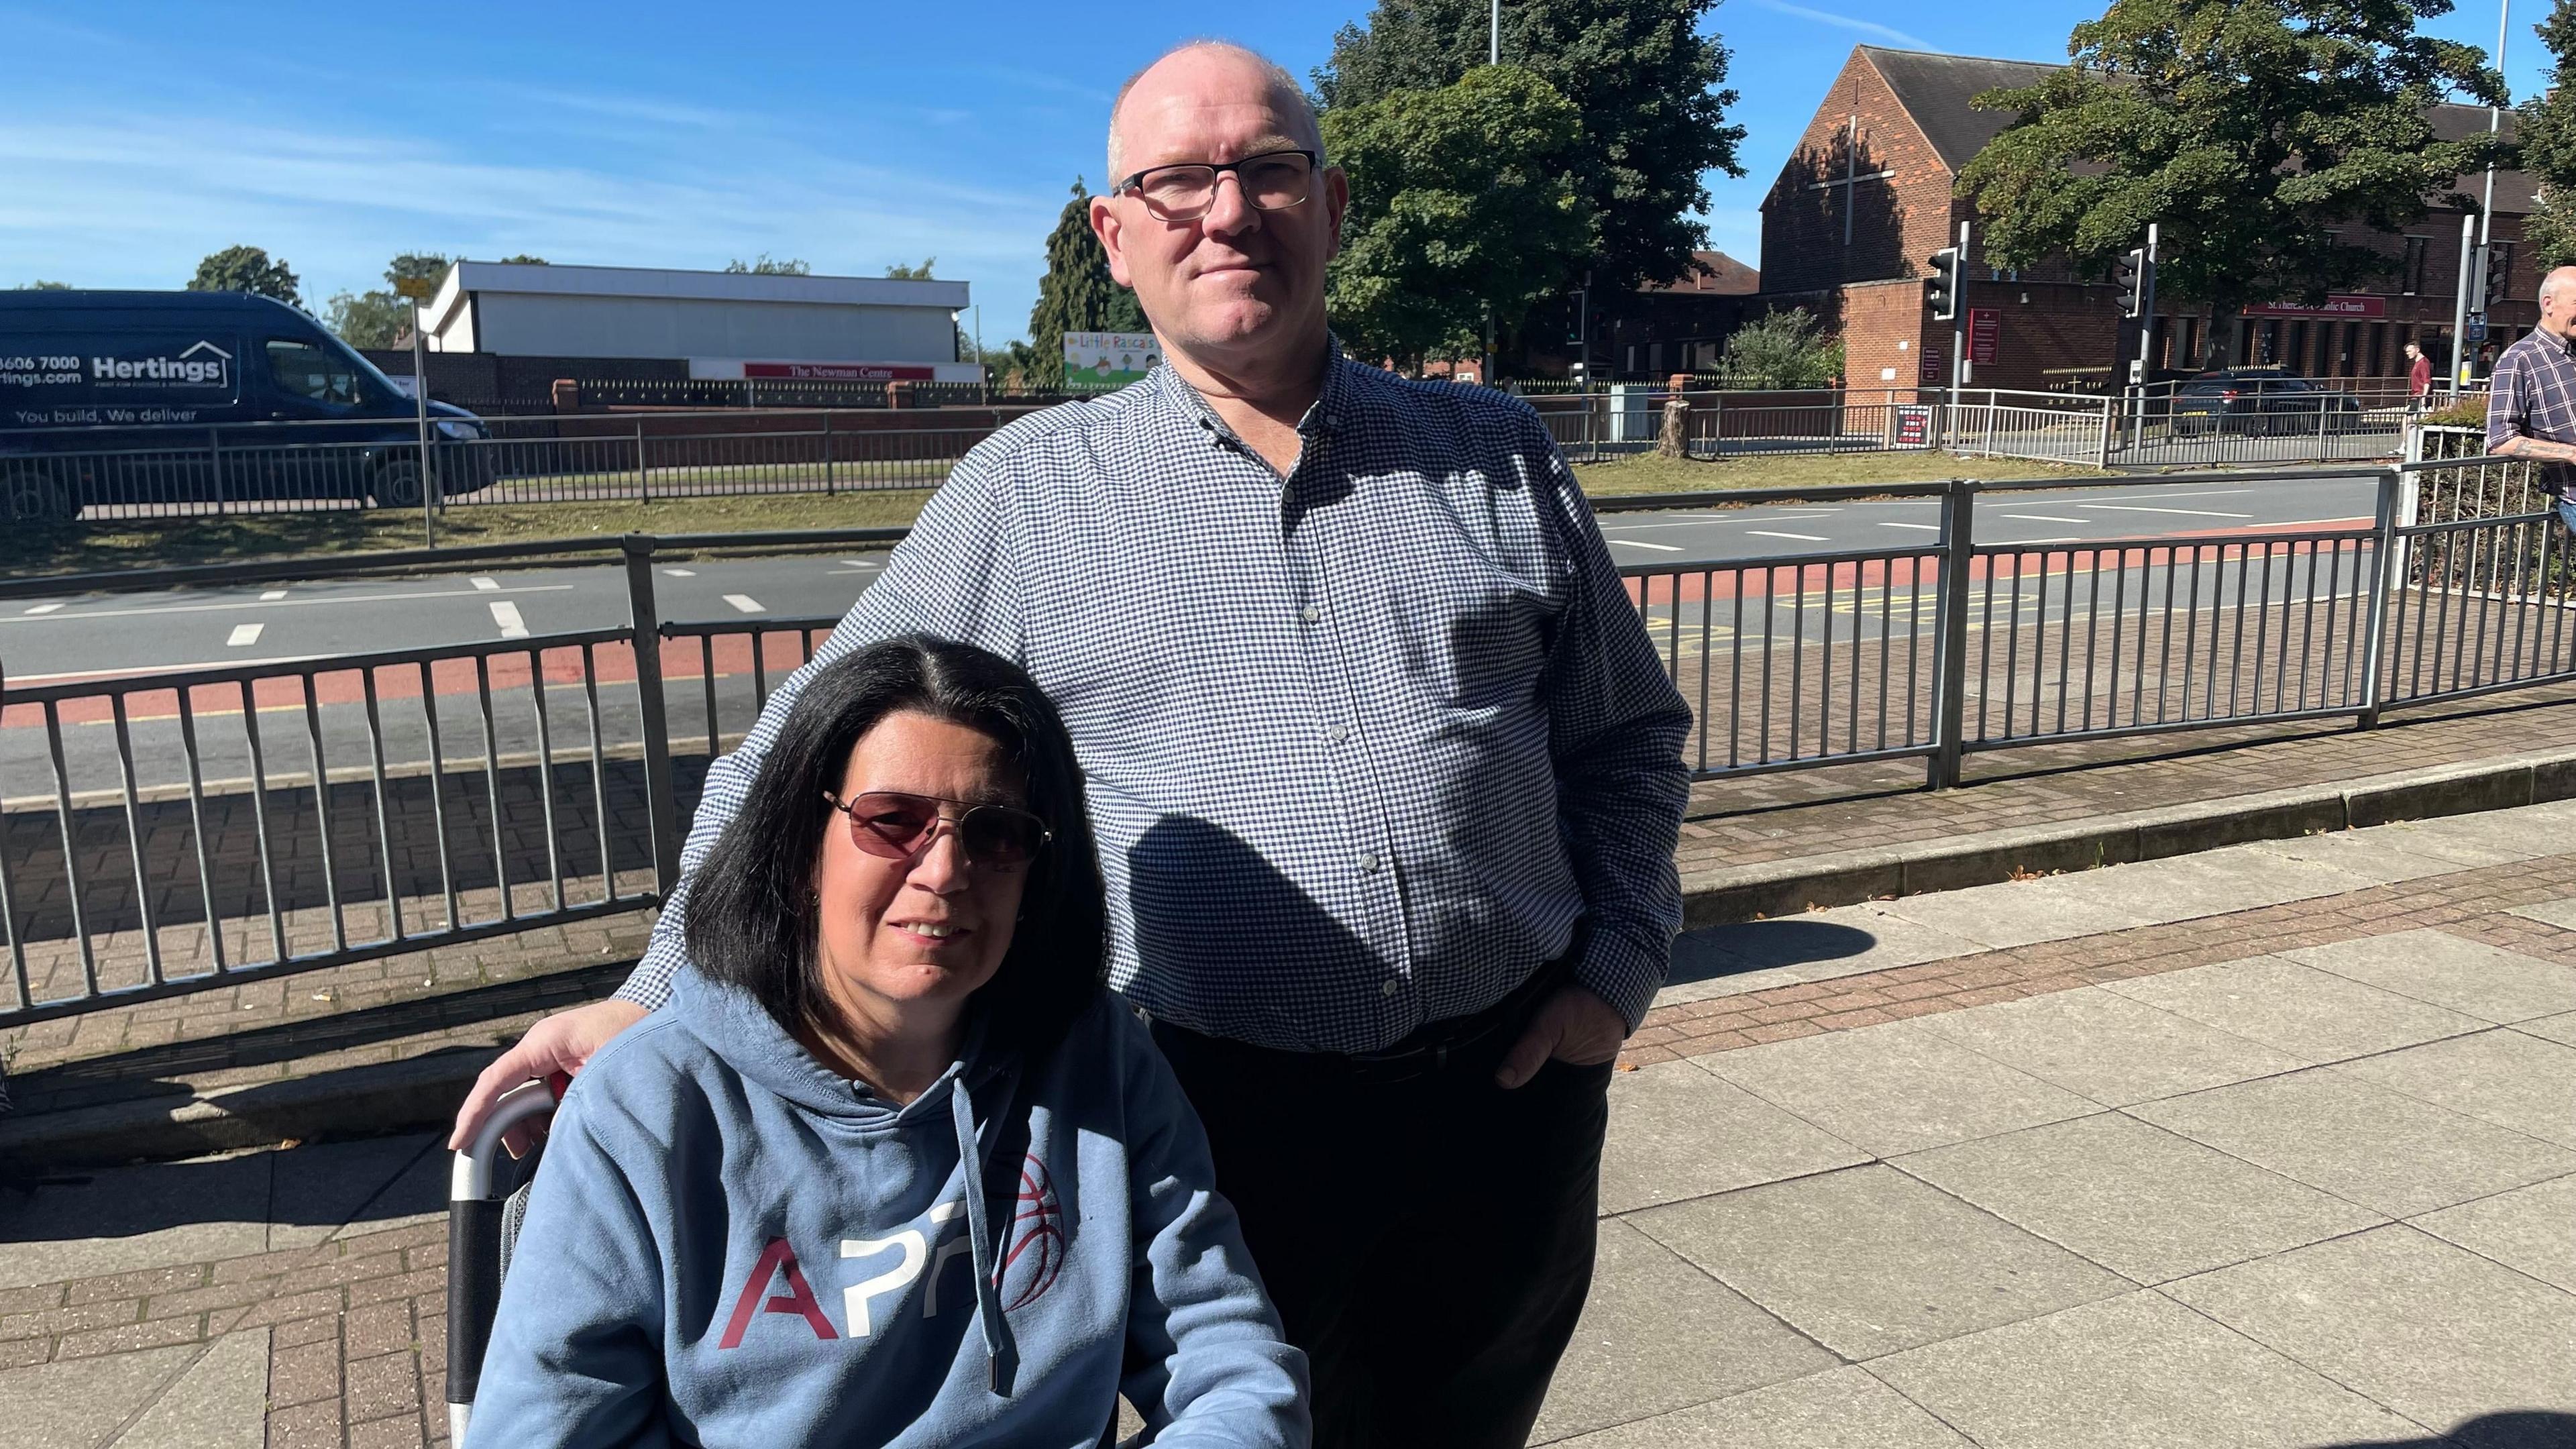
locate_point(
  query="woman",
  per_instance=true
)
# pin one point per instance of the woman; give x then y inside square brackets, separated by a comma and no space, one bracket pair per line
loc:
[893,1167]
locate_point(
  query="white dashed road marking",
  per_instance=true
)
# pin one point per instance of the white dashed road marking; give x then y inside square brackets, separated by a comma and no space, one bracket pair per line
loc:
[489,586]
[244,634]
[1641,543]
[680,573]
[1926,527]
[2135,508]
[2046,518]
[44,608]
[1800,537]
[506,614]
[746,603]
[860,563]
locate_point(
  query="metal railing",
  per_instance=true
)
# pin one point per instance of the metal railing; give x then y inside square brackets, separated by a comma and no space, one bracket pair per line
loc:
[1949,647]
[157,471]
[182,830]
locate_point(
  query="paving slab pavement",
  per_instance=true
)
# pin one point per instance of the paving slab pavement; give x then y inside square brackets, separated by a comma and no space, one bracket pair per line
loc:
[2254,1171]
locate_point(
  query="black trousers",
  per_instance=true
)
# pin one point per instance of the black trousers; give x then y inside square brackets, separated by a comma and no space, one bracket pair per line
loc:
[1427,1237]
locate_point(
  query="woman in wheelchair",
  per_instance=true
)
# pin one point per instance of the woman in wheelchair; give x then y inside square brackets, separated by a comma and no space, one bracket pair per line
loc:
[892,1167]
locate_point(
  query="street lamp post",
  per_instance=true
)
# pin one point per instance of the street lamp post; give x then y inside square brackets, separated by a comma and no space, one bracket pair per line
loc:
[2495,120]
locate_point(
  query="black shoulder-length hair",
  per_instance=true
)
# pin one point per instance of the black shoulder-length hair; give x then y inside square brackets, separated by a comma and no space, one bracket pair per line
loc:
[753,922]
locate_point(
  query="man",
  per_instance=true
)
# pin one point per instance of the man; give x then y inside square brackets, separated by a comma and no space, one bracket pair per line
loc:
[2419,378]
[2531,398]
[1384,769]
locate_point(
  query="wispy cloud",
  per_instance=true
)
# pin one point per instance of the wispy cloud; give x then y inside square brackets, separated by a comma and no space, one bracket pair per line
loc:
[1887,33]
[652,110]
[150,194]
[1041,81]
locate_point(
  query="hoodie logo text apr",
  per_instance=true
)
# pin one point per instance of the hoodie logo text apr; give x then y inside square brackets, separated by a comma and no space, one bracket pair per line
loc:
[1030,1264]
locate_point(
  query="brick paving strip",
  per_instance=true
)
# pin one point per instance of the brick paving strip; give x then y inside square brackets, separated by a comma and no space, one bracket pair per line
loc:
[2470,902]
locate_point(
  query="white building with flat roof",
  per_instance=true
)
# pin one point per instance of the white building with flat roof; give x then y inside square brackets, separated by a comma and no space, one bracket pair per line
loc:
[727,324]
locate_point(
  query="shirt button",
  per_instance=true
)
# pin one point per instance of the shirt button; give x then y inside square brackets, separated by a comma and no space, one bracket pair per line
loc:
[1368,863]
[1313,614]
[1390,988]
[1341,733]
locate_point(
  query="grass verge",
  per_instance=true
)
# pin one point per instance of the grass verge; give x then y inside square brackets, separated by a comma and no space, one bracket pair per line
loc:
[1650,474]
[101,547]
[106,546]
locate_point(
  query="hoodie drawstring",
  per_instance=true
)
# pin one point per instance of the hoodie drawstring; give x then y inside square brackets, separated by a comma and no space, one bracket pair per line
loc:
[981,1248]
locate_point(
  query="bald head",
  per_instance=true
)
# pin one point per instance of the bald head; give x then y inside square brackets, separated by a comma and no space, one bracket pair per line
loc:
[2559,284]
[1206,69]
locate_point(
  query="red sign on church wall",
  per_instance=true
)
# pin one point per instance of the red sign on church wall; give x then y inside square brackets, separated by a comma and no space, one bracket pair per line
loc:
[1985,334]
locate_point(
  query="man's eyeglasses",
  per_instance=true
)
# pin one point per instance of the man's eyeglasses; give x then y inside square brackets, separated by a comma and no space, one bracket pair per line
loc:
[895,826]
[1271,181]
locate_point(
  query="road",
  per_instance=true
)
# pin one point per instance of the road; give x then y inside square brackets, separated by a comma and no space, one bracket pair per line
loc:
[49,639]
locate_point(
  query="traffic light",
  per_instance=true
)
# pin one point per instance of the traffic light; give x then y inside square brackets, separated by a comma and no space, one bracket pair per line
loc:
[1943,293]
[2498,268]
[2129,275]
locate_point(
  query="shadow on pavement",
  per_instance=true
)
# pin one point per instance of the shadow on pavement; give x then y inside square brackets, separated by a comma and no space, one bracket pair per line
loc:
[318,1185]
[2519,1429]
[158,1071]
[1707,955]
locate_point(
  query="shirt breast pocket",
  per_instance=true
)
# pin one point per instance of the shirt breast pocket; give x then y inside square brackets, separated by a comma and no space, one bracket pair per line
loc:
[1475,632]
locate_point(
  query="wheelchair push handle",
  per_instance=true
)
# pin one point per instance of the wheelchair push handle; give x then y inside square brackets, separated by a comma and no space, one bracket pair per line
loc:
[474,1247]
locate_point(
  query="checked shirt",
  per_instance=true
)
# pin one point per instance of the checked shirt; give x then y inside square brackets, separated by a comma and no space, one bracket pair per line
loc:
[1360,744]
[2532,394]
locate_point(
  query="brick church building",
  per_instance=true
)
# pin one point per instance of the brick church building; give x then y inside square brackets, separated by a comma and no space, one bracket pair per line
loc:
[1868,196]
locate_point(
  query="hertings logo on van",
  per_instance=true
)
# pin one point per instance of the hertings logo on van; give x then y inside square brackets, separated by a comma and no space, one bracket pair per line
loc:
[203,365]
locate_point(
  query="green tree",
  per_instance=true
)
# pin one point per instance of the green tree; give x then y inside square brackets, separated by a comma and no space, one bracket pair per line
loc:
[382,318]
[247,269]
[1462,216]
[2546,129]
[1077,294]
[1783,349]
[417,266]
[42,286]
[524,260]
[2252,132]
[1643,78]
[901,273]
[766,266]
[368,319]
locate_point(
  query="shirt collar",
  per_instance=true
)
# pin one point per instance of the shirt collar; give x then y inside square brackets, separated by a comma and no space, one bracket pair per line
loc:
[1327,414]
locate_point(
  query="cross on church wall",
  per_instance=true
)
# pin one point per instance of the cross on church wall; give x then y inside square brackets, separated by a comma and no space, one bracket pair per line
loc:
[1851,177]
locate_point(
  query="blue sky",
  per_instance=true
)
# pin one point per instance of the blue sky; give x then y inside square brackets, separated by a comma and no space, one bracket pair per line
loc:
[140,136]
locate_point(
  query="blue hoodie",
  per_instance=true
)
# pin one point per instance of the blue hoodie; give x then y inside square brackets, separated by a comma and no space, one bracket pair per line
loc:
[730,1245]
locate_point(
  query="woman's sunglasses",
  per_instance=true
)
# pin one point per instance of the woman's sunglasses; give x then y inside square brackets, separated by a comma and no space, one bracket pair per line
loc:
[895,826]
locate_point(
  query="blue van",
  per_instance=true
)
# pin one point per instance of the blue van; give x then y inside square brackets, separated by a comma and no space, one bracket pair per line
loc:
[136,401]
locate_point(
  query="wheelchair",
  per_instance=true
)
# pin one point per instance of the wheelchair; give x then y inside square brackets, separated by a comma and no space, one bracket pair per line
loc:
[487,1202]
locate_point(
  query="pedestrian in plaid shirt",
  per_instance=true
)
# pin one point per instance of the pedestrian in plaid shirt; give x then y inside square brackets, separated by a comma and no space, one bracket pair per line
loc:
[2531,402]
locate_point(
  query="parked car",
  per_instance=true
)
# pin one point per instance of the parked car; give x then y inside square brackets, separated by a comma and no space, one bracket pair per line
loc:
[2252,400]
[158,397]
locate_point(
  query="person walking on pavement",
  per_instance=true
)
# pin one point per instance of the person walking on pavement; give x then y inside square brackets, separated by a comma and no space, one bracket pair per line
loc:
[1384,769]
[2419,378]
[2531,398]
